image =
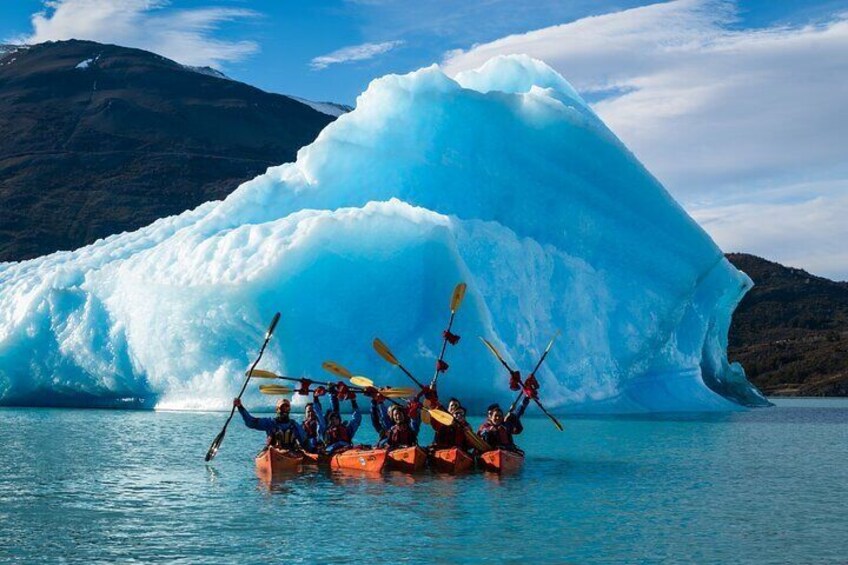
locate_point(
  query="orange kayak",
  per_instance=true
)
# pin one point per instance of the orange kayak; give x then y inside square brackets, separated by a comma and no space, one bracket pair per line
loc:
[453,460]
[367,460]
[273,461]
[501,461]
[409,459]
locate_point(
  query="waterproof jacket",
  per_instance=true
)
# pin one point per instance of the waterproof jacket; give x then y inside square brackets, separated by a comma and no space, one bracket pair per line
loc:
[500,436]
[282,435]
[446,437]
[399,435]
[336,437]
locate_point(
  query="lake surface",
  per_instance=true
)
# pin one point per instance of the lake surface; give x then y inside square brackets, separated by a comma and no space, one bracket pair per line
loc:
[761,486]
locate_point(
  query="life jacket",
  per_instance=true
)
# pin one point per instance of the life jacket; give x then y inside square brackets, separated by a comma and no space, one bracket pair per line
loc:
[283,437]
[401,435]
[449,436]
[336,434]
[496,435]
[310,428]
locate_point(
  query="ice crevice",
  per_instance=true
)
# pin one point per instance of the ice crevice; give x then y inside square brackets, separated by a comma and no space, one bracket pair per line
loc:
[502,177]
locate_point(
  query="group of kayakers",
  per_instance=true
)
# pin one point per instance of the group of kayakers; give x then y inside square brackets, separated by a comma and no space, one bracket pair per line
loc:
[397,425]
[396,415]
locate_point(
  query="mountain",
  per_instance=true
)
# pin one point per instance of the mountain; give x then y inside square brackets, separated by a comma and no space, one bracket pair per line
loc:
[100,139]
[790,332]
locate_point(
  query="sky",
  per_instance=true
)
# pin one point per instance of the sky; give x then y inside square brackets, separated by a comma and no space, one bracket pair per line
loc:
[737,107]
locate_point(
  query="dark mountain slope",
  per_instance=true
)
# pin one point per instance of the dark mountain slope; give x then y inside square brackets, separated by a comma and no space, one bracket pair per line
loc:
[99,139]
[790,331]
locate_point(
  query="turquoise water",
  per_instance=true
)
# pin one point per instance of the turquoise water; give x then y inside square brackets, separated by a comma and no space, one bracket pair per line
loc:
[764,486]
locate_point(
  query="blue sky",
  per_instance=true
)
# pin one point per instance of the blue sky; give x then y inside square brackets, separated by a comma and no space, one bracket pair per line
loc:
[737,106]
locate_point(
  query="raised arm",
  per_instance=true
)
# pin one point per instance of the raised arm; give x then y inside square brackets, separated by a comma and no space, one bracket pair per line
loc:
[252,421]
[356,418]
[319,415]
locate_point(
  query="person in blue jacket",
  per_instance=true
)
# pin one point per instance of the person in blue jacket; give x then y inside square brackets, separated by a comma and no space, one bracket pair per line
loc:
[337,435]
[281,431]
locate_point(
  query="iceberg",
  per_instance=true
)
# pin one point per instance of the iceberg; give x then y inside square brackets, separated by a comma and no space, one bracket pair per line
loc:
[502,177]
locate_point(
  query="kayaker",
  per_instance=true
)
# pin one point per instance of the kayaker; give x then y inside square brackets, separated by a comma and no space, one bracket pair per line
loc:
[401,425]
[498,430]
[453,435]
[310,428]
[336,434]
[281,431]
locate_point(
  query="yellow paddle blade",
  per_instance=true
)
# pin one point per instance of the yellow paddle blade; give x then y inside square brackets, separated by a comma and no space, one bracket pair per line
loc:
[491,348]
[397,392]
[262,374]
[458,295]
[440,416]
[336,369]
[383,350]
[364,382]
[274,389]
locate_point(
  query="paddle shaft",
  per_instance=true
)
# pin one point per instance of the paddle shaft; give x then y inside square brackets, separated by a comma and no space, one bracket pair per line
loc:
[521,383]
[442,353]
[213,449]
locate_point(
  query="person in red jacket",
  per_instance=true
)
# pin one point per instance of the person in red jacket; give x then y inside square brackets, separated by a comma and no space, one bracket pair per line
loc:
[453,435]
[498,430]
[401,425]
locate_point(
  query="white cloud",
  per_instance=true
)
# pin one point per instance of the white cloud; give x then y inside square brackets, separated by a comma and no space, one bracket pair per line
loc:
[353,53]
[186,36]
[810,234]
[718,113]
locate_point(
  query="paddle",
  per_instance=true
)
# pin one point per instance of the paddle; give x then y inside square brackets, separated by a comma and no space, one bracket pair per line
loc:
[536,368]
[456,300]
[497,354]
[336,369]
[361,381]
[383,350]
[283,390]
[275,389]
[216,443]
[437,414]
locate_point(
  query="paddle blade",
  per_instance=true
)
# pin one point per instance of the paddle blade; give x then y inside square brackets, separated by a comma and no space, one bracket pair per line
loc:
[383,350]
[491,348]
[551,343]
[216,443]
[273,325]
[364,382]
[397,392]
[262,374]
[458,295]
[440,416]
[336,369]
[275,389]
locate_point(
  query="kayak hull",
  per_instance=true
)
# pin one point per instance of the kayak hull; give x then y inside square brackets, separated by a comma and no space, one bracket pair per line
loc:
[364,460]
[407,459]
[453,460]
[274,462]
[501,461]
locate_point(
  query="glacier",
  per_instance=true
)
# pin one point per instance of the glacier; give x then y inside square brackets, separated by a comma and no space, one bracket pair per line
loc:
[502,177]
